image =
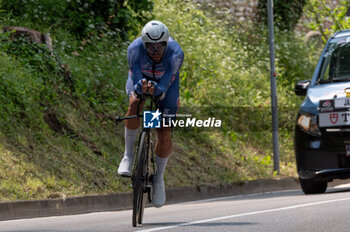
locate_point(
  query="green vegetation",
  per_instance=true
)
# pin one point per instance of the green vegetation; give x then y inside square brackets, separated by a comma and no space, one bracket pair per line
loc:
[57,134]
[82,18]
[321,12]
[227,70]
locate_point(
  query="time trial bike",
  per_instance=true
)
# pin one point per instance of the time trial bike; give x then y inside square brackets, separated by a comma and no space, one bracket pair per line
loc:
[144,163]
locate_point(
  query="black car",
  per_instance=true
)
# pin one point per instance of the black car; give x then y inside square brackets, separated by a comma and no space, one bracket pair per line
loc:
[322,130]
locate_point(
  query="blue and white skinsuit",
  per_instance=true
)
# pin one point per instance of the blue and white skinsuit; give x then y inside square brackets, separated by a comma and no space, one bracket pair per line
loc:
[165,73]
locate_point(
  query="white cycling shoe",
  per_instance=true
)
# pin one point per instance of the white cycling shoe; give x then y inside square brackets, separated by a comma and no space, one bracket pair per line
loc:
[125,167]
[158,194]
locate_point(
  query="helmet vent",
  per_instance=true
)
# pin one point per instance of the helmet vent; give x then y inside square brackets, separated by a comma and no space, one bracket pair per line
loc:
[155,38]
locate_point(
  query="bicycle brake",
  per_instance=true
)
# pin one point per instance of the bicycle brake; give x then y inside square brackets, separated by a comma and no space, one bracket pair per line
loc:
[117,120]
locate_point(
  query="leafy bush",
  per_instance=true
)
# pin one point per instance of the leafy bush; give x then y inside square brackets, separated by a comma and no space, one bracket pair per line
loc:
[286,13]
[326,17]
[83,17]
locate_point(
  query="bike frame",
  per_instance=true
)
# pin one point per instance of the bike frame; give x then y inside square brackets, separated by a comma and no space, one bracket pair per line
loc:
[147,161]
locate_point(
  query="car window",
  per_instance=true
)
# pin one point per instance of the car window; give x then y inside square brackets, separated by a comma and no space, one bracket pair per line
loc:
[336,61]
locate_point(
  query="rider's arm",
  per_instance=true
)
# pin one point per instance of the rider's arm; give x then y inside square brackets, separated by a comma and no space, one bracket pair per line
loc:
[135,67]
[172,72]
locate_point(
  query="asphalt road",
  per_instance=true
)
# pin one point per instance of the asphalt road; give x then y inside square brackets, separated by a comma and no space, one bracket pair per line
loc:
[273,212]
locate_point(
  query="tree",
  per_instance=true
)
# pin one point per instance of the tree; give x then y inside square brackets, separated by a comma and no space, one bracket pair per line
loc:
[286,13]
[327,17]
[82,17]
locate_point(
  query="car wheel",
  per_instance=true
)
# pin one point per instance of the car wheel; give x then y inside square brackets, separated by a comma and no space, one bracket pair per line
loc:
[313,187]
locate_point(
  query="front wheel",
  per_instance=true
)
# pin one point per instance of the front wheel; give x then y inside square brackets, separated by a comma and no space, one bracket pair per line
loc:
[138,181]
[313,187]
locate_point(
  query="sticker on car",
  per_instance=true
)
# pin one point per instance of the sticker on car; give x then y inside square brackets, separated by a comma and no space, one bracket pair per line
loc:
[334,112]
[333,119]
[326,106]
[342,102]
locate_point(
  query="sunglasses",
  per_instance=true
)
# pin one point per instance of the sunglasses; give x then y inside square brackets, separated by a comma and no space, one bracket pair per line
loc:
[153,48]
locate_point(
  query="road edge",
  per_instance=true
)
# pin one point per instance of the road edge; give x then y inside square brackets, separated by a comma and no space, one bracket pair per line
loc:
[123,201]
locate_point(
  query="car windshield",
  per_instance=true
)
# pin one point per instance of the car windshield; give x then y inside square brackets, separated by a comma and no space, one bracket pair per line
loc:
[336,61]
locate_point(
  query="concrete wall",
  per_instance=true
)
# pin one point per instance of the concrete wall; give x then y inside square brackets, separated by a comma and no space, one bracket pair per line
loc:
[245,10]
[240,10]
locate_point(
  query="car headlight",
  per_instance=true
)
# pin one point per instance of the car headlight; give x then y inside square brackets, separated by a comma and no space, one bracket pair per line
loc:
[308,122]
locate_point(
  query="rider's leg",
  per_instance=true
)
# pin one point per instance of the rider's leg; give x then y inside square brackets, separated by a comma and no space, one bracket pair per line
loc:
[131,130]
[164,145]
[133,124]
[163,150]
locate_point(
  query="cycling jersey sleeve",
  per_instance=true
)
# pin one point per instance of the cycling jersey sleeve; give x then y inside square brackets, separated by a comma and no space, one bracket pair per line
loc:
[134,64]
[172,72]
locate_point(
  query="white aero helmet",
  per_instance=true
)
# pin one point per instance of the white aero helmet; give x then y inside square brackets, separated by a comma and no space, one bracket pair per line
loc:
[154,32]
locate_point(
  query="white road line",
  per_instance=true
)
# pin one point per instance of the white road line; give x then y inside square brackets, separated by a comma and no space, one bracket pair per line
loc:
[243,214]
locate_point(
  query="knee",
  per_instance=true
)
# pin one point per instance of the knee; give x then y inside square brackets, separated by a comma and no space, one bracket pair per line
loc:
[132,107]
[132,110]
[132,124]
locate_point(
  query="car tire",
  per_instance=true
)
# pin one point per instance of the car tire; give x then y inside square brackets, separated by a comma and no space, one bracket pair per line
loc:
[313,187]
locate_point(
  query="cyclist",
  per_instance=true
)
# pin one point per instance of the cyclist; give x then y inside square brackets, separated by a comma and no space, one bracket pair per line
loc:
[154,62]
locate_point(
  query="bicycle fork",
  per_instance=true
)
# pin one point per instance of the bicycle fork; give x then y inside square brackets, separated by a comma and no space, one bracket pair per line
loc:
[149,173]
